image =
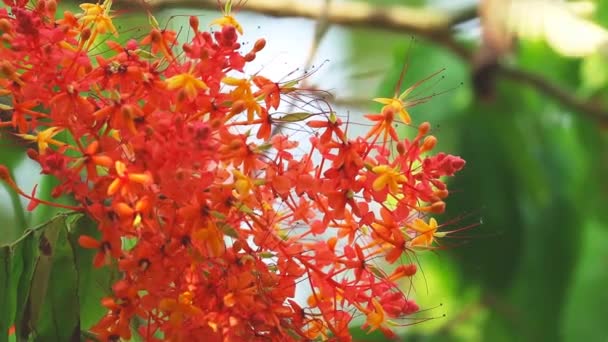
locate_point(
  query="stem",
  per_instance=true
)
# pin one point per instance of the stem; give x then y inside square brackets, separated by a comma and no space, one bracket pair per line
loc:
[17,207]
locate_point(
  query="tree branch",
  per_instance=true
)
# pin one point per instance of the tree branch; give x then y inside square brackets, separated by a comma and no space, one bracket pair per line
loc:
[432,24]
[351,13]
[593,110]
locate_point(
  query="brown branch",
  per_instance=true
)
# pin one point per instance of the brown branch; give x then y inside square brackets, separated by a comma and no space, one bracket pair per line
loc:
[432,24]
[593,110]
[351,13]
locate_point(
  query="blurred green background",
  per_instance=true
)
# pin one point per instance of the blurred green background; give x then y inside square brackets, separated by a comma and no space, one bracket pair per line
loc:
[535,265]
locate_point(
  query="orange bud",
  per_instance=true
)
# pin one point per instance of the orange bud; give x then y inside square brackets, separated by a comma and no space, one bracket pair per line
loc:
[85,34]
[5,25]
[438,207]
[400,148]
[7,69]
[194,23]
[249,57]
[441,193]
[237,107]
[259,45]
[51,7]
[428,144]
[88,242]
[424,128]
[123,210]
[32,154]
[4,173]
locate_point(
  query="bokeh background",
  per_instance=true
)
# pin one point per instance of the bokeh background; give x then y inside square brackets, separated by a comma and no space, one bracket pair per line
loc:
[523,99]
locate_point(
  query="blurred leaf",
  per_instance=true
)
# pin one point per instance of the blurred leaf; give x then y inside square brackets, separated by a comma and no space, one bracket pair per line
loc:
[11,154]
[584,315]
[521,181]
[594,72]
[12,150]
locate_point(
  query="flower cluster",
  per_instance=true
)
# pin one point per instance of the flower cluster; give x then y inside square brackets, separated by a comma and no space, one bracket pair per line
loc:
[210,218]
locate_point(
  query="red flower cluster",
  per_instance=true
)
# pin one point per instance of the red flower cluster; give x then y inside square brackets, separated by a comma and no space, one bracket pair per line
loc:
[211,219]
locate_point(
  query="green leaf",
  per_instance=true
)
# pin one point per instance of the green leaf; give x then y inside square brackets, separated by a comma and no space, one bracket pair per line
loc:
[5,293]
[51,275]
[38,288]
[12,154]
[93,283]
[25,254]
[293,117]
[228,230]
[584,315]
[60,310]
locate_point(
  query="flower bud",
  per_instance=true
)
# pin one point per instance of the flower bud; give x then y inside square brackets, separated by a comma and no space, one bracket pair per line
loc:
[51,7]
[32,154]
[5,25]
[400,148]
[85,34]
[259,45]
[194,23]
[428,144]
[424,128]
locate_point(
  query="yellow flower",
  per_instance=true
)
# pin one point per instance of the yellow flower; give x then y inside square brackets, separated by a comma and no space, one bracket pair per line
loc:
[387,176]
[44,138]
[228,20]
[180,309]
[376,317]
[242,184]
[98,15]
[427,232]
[398,105]
[212,239]
[186,82]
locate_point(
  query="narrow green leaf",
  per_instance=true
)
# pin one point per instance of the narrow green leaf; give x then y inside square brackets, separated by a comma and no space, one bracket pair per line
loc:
[5,294]
[294,117]
[25,254]
[228,230]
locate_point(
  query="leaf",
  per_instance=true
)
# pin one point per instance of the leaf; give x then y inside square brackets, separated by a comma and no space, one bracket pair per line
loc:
[60,310]
[5,294]
[228,230]
[584,315]
[294,117]
[38,286]
[93,283]
[25,255]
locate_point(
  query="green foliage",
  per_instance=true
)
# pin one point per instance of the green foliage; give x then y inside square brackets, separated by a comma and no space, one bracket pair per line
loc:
[49,289]
[534,180]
